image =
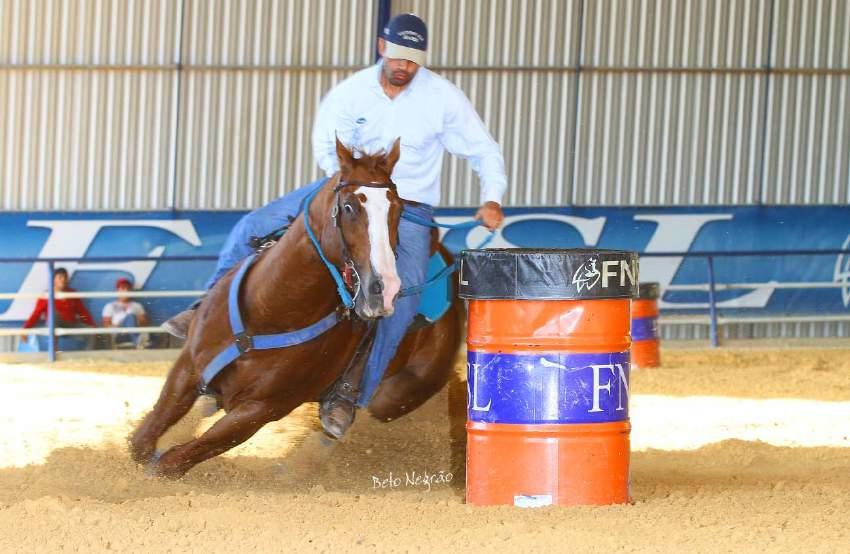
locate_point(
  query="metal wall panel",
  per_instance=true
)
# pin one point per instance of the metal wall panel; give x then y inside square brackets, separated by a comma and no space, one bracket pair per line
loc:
[655,138]
[280,32]
[245,135]
[487,34]
[86,140]
[676,33]
[811,34]
[530,114]
[89,32]
[808,149]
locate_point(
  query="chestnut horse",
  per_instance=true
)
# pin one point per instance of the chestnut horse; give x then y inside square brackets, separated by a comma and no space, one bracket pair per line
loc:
[289,288]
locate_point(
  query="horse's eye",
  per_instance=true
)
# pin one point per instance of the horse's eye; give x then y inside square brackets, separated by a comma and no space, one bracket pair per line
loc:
[349,209]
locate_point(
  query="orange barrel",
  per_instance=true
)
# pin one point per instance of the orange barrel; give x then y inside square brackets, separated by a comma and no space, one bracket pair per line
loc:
[548,375]
[645,352]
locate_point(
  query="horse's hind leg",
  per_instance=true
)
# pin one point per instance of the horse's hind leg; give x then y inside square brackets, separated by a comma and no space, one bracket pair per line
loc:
[176,399]
[424,371]
[237,426]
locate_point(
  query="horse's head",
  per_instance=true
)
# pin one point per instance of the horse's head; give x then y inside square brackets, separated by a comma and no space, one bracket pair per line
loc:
[367,211]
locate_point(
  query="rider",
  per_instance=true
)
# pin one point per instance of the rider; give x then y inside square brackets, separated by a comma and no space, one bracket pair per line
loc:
[397,97]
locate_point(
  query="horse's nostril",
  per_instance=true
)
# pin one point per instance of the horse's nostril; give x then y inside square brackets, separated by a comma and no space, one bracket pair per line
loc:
[377,287]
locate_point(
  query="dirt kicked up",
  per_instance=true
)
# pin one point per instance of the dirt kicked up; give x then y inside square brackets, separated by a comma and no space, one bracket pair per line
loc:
[744,450]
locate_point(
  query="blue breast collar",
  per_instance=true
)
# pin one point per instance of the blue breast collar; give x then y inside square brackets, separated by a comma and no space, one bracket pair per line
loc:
[243,342]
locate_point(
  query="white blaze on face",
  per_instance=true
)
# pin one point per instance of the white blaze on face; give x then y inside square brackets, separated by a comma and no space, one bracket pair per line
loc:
[381,255]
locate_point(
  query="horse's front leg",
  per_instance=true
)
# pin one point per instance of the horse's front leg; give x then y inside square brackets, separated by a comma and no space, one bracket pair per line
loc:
[177,397]
[237,426]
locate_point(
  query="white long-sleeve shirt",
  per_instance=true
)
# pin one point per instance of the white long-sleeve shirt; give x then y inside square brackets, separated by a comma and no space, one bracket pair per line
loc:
[431,115]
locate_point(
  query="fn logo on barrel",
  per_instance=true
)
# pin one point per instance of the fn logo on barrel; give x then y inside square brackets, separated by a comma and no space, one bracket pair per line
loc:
[588,275]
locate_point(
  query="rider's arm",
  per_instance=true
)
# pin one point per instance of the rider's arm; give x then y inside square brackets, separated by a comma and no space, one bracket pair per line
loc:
[465,135]
[324,133]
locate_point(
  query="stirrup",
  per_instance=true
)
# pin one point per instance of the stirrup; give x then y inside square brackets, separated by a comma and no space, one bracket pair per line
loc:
[336,414]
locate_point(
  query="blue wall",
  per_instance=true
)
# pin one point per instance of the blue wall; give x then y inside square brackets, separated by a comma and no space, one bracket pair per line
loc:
[163,234]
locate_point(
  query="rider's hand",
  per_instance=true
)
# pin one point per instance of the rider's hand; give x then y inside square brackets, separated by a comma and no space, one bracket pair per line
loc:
[490,215]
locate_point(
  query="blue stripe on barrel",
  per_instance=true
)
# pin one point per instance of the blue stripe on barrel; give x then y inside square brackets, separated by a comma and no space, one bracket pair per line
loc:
[547,387]
[645,328]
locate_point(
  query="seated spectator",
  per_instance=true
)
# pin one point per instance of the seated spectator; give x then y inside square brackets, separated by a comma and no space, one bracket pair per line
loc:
[69,312]
[126,313]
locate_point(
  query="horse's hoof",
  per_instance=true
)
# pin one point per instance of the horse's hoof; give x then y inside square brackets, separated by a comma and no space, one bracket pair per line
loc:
[336,416]
[152,467]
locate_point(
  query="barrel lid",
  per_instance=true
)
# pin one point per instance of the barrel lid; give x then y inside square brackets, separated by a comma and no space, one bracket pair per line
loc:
[547,274]
[649,291]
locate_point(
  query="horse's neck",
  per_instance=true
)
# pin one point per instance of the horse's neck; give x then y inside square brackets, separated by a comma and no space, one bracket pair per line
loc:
[290,285]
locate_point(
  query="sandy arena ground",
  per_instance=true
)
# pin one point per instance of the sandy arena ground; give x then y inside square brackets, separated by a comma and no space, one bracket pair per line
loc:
[744,450]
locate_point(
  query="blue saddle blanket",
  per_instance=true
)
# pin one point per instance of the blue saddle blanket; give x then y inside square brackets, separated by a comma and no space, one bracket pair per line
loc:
[436,300]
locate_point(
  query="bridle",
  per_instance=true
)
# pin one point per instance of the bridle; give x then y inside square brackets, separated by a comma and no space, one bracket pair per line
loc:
[350,277]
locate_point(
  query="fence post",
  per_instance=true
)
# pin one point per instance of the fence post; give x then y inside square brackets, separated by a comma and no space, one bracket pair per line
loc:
[51,315]
[712,303]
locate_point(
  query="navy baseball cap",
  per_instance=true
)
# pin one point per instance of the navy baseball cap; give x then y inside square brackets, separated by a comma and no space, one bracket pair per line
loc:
[406,38]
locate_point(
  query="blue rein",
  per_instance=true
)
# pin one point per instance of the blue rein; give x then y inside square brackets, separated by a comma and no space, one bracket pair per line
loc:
[341,289]
[451,268]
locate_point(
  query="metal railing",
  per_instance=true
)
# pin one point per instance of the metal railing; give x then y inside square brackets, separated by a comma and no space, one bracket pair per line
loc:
[712,287]
[51,331]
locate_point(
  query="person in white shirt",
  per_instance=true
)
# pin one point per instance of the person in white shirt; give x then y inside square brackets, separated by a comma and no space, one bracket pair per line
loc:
[397,97]
[124,312]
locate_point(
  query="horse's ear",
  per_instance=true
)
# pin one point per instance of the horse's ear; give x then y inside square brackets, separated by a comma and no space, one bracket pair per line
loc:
[346,158]
[392,157]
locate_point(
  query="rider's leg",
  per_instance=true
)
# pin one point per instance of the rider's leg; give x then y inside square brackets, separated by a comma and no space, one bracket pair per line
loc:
[257,223]
[414,243]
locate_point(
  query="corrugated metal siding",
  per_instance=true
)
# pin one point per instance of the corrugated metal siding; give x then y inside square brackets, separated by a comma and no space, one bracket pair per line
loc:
[245,133]
[808,125]
[652,138]
[245,138]
[673,33]
[808,150]
[86,140]
[486,33]
[811,34]
[691,130]
[530,114]
[89,32]
[280,32]
[90,89]
[671,137]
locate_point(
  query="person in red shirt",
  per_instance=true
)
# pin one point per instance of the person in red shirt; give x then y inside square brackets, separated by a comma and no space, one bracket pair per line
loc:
[70,312]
